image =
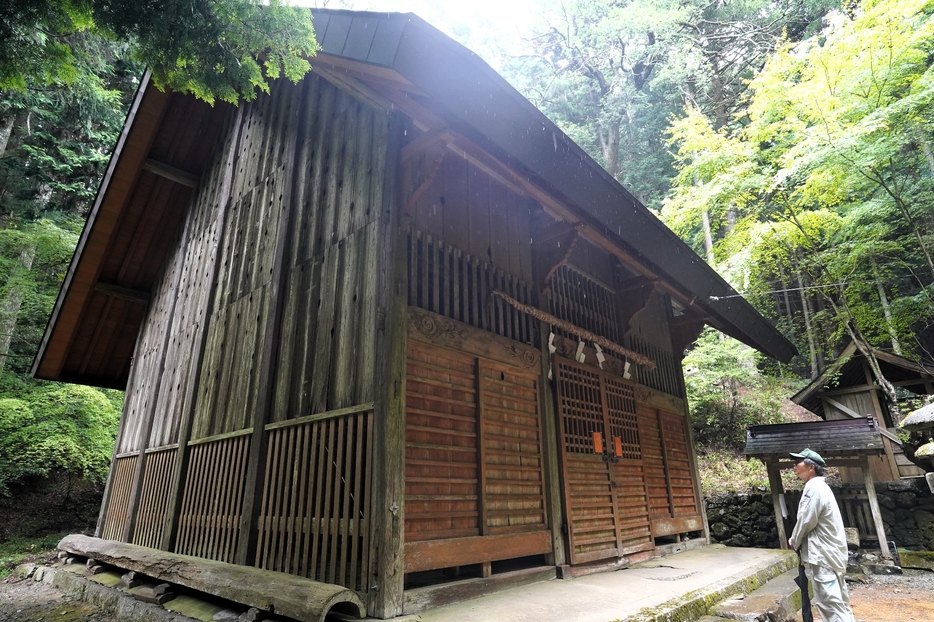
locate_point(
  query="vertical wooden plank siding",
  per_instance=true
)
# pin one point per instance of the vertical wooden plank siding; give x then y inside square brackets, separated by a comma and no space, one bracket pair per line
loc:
[154,497]
[211,506]
[313,521]
[116,517]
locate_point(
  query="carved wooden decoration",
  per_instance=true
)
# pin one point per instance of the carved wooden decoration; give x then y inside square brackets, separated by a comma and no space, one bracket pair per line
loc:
[439,330]
[684,331]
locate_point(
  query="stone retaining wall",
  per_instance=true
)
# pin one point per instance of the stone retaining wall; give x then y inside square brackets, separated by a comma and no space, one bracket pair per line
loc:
[907,508]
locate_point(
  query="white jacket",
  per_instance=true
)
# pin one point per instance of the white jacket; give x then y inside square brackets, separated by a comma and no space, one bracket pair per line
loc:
[819,531]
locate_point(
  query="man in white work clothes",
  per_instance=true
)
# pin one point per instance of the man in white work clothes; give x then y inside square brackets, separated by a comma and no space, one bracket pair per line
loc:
[820,539]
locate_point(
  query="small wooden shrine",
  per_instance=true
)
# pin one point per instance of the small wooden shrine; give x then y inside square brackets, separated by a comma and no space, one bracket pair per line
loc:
[843,443]
[387,327]
[848,389]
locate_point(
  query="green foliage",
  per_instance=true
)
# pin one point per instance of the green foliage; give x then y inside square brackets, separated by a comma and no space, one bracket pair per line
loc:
[225,49]
[825,182]
[16,551]
[728,471]
[56,429]
[726,393]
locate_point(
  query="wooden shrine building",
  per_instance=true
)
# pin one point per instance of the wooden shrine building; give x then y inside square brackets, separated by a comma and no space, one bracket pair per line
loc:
[385,328]
[848,389]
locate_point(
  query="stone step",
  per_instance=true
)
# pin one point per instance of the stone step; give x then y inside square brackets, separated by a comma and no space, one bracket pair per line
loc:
[777,601]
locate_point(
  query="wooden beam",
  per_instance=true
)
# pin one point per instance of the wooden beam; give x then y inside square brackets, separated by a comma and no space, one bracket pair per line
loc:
[171,173]
[778,491]
[553,496]
[855,415]
[432,138]
[123,293]
[288,595]
[347,82]
[874,507]
[430,554]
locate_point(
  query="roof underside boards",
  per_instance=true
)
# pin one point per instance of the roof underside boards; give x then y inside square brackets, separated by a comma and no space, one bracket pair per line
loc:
[475,101]
[92,332]
[843,438]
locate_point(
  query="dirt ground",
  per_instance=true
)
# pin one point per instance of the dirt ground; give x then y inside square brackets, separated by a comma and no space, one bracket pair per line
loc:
[895,598]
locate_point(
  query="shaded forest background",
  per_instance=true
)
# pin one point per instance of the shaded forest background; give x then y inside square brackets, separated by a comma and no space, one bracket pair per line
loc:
[789,142]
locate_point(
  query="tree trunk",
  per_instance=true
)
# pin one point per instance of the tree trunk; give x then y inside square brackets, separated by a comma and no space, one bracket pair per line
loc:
[9,308]
[806,313]
[845,316]
[609,144]
[708,237]
[925,148]
[6,128]
[890,324]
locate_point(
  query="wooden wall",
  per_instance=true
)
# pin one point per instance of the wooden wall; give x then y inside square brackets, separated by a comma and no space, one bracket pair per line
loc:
[314,154]
[478,215]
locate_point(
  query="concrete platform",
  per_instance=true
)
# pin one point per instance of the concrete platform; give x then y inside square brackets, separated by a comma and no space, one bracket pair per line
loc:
[676,588]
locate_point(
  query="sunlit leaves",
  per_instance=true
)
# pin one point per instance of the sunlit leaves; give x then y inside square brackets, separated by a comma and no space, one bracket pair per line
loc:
[222,49]
[838,125]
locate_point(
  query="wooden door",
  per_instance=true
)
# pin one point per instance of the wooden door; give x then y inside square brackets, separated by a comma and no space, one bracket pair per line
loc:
[672,499]
[474,489]
[604,482]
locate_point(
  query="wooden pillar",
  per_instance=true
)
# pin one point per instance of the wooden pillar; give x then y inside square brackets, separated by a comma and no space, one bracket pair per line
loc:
[278,285]
[874,507]
[692,449]
[550,447]
[177,485]
[387,513]
[775,485]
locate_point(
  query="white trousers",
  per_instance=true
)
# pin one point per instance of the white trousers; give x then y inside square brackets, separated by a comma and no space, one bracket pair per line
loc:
[831,597]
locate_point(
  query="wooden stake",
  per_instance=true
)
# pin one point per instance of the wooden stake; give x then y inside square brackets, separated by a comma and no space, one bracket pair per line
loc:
[874,506]
[775,485]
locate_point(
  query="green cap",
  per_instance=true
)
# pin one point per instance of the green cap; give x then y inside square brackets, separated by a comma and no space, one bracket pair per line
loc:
[811,455]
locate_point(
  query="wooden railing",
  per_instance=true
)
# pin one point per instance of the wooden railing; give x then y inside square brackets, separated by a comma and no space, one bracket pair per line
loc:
[154,496]
[209,524]
[314,517]
[118,504]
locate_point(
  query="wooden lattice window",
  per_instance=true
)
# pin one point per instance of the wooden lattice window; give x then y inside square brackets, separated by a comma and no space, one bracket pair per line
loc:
[584,302]
[455,284]
[581,406]
[621,413]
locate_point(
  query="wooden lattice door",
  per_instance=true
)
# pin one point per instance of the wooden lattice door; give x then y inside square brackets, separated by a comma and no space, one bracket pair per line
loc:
[604,481]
